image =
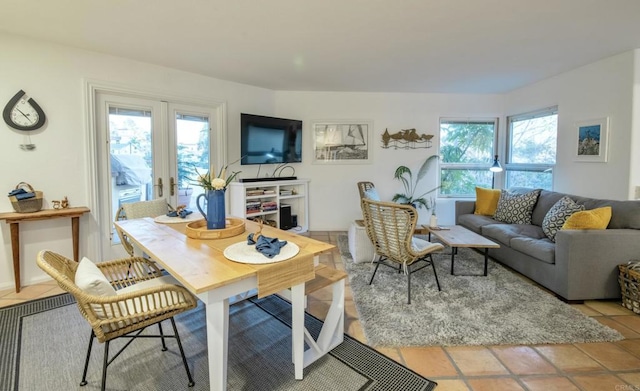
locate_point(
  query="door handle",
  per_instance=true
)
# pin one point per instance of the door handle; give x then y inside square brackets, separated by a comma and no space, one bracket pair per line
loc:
[160,186]
[172,186]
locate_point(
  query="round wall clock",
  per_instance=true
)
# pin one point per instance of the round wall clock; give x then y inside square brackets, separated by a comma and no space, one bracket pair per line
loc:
[23,114]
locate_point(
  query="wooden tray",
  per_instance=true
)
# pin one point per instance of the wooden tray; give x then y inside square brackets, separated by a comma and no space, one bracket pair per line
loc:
[198,229]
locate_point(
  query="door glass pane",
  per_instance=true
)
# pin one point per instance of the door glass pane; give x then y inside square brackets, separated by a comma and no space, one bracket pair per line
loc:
[131,156]
[192,138]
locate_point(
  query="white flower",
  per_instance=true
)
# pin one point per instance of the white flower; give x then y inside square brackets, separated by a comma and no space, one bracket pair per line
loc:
[218,184]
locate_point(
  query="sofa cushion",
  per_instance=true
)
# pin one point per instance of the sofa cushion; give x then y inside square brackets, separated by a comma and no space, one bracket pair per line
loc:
[516,208]
[624,214]
[475,222]
[486,201]
[543,249]
[505,232]
[589,219]
[558,214]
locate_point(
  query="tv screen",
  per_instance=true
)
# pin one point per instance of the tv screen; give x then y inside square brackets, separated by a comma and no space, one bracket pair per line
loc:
[267,140]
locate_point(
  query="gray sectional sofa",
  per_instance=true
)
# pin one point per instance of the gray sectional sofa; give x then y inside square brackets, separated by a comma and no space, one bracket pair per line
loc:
[581,264]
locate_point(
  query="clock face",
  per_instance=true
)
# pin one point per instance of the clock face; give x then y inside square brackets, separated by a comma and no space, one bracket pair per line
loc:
[23,114]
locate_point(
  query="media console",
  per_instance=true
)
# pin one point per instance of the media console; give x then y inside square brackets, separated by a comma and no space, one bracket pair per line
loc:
[268,179]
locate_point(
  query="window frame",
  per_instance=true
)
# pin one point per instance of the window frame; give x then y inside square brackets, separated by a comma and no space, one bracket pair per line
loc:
[528,167]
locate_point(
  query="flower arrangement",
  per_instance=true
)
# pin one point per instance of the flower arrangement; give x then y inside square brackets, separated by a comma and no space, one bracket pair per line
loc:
[210,182]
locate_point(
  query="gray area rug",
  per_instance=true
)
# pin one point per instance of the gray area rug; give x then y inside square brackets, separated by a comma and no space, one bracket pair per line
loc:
[43,347]
[501,308]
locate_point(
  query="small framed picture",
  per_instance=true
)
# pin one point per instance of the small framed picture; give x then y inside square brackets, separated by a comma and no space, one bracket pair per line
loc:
[342,142]
[592,140]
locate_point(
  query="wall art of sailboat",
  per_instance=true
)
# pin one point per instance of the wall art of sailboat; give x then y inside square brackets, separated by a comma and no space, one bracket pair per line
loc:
[342,142]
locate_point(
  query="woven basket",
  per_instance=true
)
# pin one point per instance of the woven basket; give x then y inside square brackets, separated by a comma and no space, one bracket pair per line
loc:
[629,279]
[29,205]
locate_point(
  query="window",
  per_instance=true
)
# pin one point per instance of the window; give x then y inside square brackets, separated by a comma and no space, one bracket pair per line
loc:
[531,156]
[466,148]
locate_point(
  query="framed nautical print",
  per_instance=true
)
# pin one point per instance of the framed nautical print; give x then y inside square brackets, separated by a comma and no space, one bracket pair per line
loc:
[342,142]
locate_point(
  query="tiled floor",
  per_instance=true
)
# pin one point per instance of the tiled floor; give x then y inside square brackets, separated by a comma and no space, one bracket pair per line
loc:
[598,366]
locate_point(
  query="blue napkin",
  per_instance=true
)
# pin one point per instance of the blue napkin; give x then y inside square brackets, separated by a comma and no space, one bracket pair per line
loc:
[17,191]
[183,213]
[269,247]
[24,196]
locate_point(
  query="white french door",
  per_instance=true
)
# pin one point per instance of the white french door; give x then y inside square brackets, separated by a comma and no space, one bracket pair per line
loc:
[150,148]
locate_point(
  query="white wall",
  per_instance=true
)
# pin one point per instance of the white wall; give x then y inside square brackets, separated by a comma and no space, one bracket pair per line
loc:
[334,196]
[54,76]
[601,89]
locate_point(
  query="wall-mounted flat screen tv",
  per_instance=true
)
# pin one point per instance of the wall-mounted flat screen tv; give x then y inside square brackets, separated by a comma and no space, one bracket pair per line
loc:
[267,140]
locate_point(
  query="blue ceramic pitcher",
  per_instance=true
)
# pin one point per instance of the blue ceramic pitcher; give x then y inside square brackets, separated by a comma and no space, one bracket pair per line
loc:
[214,205]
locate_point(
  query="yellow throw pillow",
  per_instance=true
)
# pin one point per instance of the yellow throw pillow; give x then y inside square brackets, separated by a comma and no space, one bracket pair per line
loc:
[589,219]
[486,201]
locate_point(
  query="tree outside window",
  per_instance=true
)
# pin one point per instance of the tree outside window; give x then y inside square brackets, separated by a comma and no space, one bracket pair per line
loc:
[467,148]
[532,149]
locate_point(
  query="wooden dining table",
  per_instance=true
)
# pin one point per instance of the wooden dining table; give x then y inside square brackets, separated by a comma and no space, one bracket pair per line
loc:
[200,265]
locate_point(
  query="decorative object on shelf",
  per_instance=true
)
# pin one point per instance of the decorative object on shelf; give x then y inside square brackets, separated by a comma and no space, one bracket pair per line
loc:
[25,199]
[592,140]
[214,197]
[342,142]
[406,139]
[62,204]
[433,220]
[404,175]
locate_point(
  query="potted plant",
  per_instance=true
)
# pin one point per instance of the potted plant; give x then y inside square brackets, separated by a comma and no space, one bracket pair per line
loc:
[404,175]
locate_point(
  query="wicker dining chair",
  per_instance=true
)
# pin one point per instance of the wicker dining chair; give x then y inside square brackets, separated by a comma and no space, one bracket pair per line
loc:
[137,210]
[390,227]
[119,299]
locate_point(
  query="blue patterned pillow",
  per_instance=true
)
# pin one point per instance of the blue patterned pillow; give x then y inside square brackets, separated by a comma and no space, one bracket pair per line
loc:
[558,214]
[516,208]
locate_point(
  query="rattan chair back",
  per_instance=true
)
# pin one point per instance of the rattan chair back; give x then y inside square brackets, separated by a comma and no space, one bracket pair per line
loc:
[390,227]
[138,210]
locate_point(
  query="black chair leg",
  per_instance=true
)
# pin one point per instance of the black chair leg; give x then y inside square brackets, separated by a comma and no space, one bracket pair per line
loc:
[105,363]
[83,382]
[374,271]
[164,345]
[184,359]
[408,284]
[433,265]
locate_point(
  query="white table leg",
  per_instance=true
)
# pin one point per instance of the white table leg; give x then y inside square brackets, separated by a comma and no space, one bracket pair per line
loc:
[217,313]
[297,329]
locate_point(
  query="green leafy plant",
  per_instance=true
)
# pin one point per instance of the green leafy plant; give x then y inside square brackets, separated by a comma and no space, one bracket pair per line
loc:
[405,176]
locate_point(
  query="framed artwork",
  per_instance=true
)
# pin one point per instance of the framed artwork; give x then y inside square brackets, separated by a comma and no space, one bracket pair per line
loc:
[342,142]
[591,140]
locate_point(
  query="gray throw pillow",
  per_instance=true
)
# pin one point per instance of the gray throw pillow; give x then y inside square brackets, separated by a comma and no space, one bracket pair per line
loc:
[516,208]
[557,215]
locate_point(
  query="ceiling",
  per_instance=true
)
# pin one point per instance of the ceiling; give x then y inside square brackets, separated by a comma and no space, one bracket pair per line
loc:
[436,46]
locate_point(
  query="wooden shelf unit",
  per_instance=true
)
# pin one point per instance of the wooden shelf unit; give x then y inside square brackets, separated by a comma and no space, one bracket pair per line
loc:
[250,199]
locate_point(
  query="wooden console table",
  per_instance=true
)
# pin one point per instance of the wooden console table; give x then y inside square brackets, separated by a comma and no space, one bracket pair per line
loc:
[14,219]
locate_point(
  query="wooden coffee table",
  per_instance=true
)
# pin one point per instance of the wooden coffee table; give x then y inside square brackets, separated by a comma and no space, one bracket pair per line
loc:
[456,236]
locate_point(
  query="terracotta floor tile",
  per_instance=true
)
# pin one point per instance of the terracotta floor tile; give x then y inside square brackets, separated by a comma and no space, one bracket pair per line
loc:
[585,309]
[611,356]
[607,307]
[499,384]
[392,353]
[554,383]
[450,385]
[631,321]
[428,361]
[568,358]
[632,378]
[604,382]
[621,328]
[476,361]
[630,345]
[523,360]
